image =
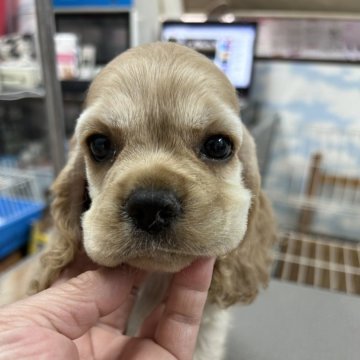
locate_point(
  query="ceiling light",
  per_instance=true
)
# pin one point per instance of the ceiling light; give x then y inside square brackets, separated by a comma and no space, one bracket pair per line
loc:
[193,17]
[227,18]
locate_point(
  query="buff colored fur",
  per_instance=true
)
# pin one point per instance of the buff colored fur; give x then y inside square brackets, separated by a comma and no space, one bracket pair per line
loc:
[158,103]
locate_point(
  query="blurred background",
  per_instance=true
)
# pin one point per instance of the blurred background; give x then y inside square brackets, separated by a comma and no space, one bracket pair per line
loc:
[296,68]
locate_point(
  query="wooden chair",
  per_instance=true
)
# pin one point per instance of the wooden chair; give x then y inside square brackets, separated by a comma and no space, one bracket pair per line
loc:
[319,178]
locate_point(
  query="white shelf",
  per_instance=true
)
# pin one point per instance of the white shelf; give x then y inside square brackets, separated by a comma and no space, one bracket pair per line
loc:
[22,94]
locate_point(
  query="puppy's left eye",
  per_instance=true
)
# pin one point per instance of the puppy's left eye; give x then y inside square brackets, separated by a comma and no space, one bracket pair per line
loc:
[100,147]
[217,147]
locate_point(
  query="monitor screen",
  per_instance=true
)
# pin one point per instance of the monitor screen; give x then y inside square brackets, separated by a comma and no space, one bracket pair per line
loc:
[229,46]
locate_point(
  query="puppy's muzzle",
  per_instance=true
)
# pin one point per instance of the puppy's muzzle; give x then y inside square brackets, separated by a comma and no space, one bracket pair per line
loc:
[152,210]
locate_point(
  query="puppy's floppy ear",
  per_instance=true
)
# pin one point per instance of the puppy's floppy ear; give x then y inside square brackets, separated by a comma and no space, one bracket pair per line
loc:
[238,275]
[69,200]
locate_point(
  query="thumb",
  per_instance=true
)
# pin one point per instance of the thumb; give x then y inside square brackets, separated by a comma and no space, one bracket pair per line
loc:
[75,306]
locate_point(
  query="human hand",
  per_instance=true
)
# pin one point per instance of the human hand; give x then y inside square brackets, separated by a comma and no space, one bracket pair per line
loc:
[85,317]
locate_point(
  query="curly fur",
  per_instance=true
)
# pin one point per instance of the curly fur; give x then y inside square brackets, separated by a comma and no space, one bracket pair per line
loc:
[238,275]
[68,198]
[167,95]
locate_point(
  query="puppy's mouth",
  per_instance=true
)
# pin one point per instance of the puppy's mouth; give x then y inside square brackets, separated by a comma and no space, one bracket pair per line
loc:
[153,213]
[163,261]
[160,229]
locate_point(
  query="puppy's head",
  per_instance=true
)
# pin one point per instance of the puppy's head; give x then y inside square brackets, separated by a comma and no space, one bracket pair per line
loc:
[167,164]
[160,137]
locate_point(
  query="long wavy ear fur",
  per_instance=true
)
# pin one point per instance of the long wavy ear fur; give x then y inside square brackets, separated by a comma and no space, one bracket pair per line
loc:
[69,198]
[238,275]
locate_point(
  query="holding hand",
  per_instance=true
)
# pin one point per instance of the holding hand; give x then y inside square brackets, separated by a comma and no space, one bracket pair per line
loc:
[85,318]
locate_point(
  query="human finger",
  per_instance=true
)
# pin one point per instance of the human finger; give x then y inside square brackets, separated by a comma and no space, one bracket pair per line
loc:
[179,325]
[75,306]
[79,265]
[118,319]
[151,322]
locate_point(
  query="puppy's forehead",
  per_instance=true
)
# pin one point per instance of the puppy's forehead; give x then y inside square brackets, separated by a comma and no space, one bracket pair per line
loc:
[158,80]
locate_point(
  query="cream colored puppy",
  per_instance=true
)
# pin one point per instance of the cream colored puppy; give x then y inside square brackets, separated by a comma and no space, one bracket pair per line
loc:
[162,172]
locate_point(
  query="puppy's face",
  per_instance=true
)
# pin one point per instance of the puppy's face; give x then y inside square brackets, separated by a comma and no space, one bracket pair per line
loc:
[160,136]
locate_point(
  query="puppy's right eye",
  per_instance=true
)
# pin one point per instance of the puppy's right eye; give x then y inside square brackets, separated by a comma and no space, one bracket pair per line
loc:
[100,147]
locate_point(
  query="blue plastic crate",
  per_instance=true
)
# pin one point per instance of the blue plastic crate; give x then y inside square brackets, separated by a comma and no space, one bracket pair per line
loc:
[77,3]
[16,217]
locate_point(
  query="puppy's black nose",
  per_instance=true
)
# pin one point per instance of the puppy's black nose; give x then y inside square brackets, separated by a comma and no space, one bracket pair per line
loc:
[152,210]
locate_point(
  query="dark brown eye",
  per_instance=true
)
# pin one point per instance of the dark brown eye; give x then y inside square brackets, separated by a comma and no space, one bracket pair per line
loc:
[100,147]
[217,147]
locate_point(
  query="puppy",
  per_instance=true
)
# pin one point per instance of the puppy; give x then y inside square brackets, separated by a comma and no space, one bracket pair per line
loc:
[162,171]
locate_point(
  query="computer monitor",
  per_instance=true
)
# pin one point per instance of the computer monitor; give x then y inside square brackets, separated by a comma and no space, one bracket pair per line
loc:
[229,46]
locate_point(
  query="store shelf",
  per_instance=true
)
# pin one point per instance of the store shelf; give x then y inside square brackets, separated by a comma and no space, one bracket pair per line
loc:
[15,140]
[22,94]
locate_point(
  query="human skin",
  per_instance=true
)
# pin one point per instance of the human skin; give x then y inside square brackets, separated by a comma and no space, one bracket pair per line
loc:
[85,318]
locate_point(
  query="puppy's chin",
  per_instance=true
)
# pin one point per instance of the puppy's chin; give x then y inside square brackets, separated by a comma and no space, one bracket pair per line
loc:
[162,262]
[159,261]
